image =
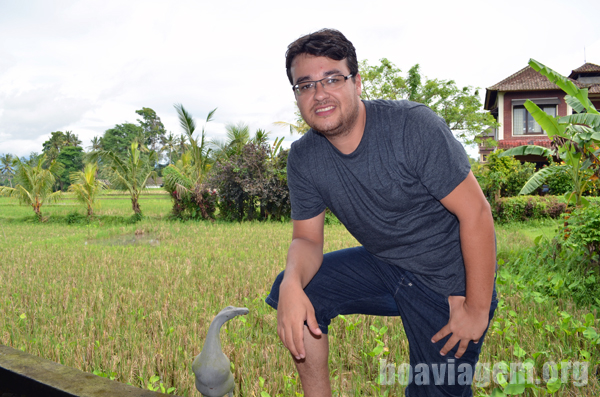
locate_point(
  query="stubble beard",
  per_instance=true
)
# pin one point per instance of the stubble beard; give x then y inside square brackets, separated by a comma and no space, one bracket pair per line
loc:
[343,128]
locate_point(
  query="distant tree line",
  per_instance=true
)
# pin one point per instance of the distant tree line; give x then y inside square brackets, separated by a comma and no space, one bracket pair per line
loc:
[243,177]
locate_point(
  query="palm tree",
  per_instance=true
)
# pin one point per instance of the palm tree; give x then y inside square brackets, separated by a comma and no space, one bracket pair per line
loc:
[198,147]
[96,144]
[130,174]
[34,184]
[299,126]
[71,139]
[86,187]
[7,163]
[169,143]
[261,137]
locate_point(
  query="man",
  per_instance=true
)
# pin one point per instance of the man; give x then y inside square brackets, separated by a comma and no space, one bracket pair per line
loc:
[395,176]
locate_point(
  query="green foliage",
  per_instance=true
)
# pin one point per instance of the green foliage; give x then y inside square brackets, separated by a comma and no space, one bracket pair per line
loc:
[86,187]
[198,152]
[578,144]
[154,130]
[581,233]
[523,208]
[560,269]
[119,138]
[71,159]
[196,203]
[7,165]
[34,184]
[461,108]
[559,182]
[502,176]
[250,186]
[129,173]
[526,150]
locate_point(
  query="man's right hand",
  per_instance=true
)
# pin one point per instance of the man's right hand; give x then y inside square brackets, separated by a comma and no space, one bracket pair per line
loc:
[293,309]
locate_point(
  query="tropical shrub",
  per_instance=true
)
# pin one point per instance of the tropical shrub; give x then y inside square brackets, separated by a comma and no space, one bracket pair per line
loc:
[34,184]
[556,269]
[576,138]
[502,176]
[86,187]
[196,203]
[252,184]
[523,208]
[581,232]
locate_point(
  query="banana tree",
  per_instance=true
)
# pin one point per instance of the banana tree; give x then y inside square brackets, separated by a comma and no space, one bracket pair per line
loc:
[577,138]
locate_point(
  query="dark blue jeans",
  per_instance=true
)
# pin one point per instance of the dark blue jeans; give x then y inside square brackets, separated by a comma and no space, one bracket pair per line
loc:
[352,281]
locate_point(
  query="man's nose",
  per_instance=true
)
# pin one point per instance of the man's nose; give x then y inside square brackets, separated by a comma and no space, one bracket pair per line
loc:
[320,92]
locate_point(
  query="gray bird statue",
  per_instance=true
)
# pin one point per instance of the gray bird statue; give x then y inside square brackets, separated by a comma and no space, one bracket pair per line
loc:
[211,366]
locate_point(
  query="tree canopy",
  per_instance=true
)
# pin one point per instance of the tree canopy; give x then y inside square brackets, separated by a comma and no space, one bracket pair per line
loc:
[154,130]
[461,108]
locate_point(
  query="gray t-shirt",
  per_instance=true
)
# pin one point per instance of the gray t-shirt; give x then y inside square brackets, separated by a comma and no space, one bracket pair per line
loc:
[387,191]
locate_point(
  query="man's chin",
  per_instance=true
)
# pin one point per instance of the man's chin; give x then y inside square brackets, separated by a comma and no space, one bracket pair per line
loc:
[330,132]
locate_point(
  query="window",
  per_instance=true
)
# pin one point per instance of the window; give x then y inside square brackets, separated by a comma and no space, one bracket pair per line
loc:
[524,123]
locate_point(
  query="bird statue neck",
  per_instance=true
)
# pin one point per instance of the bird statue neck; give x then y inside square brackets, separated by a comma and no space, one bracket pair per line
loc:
[213,339]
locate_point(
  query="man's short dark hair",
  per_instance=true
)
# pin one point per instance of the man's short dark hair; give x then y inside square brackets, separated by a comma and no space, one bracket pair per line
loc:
[328,43]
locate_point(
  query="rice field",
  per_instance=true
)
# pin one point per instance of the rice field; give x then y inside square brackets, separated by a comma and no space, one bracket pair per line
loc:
[133,302]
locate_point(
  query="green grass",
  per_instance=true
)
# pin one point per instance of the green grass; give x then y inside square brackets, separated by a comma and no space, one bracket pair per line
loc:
[76,295]
[155,203]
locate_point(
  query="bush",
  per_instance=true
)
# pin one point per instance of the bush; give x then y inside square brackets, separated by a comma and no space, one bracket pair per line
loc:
[251,185]
[522,208]
[502,176]
[581,232]
[555,269]
[197,204]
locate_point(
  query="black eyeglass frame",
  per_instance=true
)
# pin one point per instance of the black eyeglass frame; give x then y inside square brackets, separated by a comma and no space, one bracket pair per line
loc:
[296,87]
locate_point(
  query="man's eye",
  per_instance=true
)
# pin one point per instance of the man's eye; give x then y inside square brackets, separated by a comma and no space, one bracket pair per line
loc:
[306,86]
[332,80]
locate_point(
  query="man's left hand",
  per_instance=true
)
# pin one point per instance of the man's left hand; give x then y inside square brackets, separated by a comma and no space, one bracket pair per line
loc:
[466,324]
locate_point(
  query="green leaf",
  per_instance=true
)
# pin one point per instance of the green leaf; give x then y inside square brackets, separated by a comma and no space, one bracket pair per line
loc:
[553,386]
[589,319]
[547,122]
[377,349]
[565,84]
[590,119]
[518,351]
[574,103]
[590,333]
[264,394]
[539,178]
[497,393]
[526,150]
[514,389]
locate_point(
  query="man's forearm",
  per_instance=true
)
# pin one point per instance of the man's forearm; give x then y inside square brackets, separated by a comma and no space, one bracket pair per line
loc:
[479,255]
[303,261]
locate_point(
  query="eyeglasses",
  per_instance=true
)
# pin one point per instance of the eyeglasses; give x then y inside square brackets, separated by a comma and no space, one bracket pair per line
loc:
[329,83]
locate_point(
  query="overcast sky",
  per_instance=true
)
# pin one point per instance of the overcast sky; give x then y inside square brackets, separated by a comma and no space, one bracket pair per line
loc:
[84,66]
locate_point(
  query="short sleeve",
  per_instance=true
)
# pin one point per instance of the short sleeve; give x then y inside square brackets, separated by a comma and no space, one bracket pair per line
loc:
[436,157]
[304,196]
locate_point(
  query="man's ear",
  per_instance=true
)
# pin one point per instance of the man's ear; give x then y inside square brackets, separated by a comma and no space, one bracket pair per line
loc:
[358,84]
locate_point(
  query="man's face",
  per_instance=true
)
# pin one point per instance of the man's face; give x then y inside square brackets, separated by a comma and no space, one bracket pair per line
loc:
[334,112]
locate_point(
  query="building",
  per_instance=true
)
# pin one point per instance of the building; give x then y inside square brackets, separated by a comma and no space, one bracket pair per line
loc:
[505,100]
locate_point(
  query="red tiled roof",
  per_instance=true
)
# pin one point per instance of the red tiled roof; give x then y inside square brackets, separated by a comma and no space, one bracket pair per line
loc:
[507,144]
[587,68]
[526,79]
[594,89]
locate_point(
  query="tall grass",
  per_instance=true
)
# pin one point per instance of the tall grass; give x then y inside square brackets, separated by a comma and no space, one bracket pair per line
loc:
[80,296]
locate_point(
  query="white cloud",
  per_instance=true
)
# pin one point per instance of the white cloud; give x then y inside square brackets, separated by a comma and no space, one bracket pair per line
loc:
[88,65]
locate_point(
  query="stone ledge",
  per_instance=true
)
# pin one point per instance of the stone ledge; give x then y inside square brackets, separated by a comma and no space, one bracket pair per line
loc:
[25,375]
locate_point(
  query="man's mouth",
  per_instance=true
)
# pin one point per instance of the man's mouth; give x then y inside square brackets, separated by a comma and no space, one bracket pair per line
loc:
[326,109]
